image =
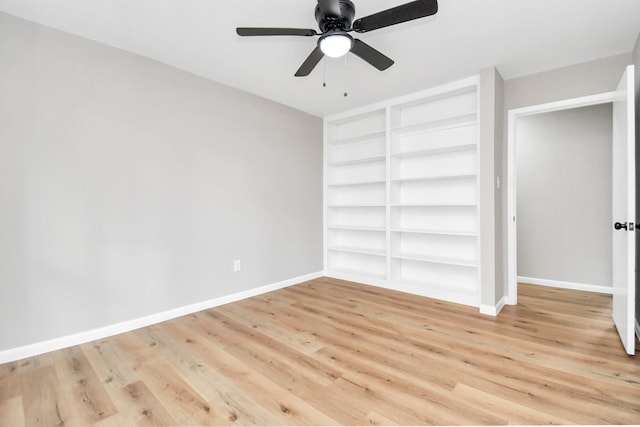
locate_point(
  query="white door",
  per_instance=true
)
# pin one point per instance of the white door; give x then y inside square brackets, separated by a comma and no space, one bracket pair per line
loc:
[624,211]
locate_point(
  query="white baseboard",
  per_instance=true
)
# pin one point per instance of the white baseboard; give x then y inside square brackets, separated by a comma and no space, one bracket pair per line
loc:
[567,285]
[129,325]
[407,288]
[493,310]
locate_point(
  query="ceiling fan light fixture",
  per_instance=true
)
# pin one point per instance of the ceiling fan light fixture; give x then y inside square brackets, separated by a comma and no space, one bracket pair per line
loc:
[336,45]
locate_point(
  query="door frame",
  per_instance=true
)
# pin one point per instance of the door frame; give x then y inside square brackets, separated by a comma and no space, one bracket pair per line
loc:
[512,131]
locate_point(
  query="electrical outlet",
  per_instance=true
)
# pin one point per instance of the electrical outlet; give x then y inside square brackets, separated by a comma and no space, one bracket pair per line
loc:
[237,265]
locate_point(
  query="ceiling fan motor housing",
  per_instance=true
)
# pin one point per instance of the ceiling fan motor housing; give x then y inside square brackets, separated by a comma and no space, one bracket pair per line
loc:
[332,22]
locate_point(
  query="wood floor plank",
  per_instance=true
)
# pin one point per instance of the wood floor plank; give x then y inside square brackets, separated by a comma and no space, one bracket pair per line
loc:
[266,393]
[144,351]
[82,391]
[222,395]
[514,412]
[290,367]
[17,368]
[109,366]
[278,328]
[375,419]
[12,412]
[43,398]
[172,391]
[329,352]
[144,408]
[10,387]
[431,408]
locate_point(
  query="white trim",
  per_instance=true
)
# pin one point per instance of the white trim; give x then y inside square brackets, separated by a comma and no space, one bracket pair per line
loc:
[512,117]
[493,310]
[512,247]
[387,200]
[129,325]
[453,297]
[325,171]
[567,285]
[566,104]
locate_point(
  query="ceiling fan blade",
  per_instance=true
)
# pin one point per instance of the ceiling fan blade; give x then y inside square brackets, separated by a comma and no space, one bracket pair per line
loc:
[371,55]
[329,7]
[250,31]
[310,63]
[396,15]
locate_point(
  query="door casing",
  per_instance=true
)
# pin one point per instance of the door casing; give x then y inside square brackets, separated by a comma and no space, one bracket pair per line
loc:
[512,127]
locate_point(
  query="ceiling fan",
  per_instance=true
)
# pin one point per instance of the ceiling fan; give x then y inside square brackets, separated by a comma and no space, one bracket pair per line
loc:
[335,20]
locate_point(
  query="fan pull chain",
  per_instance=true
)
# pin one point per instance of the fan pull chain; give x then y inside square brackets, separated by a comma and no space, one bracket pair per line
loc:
[345,75]
[324,72]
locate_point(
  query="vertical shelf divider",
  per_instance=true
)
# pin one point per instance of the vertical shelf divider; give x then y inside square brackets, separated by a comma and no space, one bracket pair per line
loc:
[388,112]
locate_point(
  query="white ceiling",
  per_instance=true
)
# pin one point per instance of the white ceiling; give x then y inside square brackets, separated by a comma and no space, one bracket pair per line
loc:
[519,37]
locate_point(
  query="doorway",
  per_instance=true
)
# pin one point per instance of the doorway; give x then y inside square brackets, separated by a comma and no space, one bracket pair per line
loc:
[517,119]
[564,198]
[623,202]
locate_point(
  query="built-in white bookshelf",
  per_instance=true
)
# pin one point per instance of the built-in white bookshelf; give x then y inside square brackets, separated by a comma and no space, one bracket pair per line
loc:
[401,194]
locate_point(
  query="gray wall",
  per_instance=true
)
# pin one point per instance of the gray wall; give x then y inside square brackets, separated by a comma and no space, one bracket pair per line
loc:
[500,199]
[491,127]
[128,187]
[589,78]
[564,195]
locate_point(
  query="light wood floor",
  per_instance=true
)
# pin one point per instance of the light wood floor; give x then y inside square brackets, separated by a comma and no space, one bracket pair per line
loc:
[330,352]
